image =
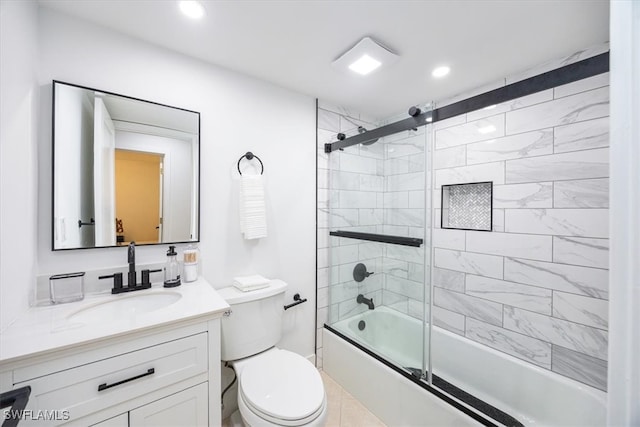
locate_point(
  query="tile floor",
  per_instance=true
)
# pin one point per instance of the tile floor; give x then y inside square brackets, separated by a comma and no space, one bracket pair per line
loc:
[344,409]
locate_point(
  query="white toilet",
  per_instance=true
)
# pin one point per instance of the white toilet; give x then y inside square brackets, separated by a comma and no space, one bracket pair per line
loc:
[275,387]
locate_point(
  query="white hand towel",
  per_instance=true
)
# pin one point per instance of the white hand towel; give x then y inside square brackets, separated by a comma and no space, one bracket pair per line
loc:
[253,219]
[250,283]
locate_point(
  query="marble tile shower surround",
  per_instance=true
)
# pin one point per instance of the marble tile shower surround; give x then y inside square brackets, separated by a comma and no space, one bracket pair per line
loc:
[537,286]
[351,185]
[378,189]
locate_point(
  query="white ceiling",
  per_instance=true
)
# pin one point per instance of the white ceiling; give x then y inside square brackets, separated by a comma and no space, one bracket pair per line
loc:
[292,43]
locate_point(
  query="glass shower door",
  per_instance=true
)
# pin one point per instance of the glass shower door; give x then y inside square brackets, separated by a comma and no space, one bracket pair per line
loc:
[379,261]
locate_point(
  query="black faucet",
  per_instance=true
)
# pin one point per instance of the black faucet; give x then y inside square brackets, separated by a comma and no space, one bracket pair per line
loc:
[132,284]
[131,259]
[362,300]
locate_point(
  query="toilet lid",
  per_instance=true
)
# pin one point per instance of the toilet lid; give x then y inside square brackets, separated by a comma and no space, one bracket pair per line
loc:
[283,385]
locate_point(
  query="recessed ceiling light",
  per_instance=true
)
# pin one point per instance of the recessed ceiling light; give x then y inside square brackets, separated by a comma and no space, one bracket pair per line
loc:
[365,65]
[193,9]
[363,58]
[487,129]
[440,71]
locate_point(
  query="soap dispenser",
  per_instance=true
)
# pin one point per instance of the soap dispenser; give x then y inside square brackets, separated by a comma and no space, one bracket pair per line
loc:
[172,269]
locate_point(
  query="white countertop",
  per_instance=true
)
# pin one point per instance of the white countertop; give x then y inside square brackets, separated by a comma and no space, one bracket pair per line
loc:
[44,329]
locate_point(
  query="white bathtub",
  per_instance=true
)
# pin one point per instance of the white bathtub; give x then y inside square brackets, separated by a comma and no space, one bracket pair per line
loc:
[532,395]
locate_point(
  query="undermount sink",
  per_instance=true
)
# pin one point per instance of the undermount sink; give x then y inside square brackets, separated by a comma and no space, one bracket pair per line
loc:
[126,306]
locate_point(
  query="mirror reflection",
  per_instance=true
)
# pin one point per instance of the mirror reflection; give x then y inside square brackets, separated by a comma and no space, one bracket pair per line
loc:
[123,170]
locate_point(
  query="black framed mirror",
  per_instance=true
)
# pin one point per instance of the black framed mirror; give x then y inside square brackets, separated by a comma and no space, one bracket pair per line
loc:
[124,169]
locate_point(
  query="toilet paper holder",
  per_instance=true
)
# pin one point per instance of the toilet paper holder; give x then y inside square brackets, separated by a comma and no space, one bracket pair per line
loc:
[297,300]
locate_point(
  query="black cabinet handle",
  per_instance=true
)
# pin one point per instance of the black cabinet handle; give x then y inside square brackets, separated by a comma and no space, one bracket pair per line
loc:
[17,399]
[105,386]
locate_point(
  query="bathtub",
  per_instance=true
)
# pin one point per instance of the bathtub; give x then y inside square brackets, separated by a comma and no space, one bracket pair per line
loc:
[532,395]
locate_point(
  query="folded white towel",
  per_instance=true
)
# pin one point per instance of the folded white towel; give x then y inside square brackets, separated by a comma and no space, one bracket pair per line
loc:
[250,283]
[253,219]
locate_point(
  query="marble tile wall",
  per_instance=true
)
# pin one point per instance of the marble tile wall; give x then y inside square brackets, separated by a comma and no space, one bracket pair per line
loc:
[536,287]
[378,188]
[405,214]
[350,197]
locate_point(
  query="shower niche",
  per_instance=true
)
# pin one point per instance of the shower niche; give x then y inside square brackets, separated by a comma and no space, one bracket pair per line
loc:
[467,206]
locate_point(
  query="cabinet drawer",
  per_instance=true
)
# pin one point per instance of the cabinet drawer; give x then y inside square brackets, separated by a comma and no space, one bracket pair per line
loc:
[95,386]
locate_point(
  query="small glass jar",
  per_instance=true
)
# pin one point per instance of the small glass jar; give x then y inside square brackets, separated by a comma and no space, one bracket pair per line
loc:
[191,256]
[66,287]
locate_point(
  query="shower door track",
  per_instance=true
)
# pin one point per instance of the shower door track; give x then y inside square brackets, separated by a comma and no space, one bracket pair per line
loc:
[479,405]
[589,67]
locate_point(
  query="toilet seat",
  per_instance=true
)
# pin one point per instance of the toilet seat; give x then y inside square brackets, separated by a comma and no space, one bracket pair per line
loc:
[281,387]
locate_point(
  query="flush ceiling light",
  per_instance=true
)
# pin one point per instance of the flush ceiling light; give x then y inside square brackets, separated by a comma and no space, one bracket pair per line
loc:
[365,57]
[440,71]
[365,65]
[193,9]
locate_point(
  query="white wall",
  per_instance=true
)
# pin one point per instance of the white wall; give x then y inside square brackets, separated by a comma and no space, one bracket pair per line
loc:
[238,114]
[624,219]
[18,173]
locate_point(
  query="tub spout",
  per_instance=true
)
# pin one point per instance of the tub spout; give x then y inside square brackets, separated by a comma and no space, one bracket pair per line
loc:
[362,300]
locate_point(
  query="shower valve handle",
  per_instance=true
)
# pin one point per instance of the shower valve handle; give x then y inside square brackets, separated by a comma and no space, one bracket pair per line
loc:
[360,272]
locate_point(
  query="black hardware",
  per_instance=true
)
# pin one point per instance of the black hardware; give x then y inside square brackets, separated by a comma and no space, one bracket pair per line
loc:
[569,73]
[117,282]
[105,386]
[383,238]
[414,111]
[341,136]
[361,325]
[130,288]
[91,222]
[298,300]
[17,399]
[361,130]
[361,299]
[145,275]
[118,287]
[360,272]
[131,260]
[249,155]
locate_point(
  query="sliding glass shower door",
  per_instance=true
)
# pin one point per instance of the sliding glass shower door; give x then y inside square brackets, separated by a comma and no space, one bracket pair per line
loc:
[379,215]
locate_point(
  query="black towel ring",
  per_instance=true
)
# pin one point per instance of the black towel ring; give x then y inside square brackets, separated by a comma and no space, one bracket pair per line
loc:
[250,156]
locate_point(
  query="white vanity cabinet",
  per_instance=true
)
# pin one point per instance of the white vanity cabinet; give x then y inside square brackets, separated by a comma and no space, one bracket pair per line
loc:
[185,408]
[167,376]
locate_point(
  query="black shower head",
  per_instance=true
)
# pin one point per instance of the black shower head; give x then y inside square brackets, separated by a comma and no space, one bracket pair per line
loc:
[362,130]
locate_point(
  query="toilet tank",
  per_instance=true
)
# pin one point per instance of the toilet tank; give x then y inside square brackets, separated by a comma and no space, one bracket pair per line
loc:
[255,323]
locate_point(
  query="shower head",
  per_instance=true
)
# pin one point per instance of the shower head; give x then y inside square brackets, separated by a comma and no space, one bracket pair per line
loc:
[362,130]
